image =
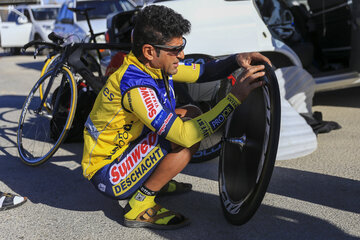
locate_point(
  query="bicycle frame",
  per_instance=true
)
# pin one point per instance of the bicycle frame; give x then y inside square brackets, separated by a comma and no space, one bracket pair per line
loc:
[71,56]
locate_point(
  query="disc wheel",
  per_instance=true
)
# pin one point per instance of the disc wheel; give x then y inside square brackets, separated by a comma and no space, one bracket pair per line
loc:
[34,139]
[249,150]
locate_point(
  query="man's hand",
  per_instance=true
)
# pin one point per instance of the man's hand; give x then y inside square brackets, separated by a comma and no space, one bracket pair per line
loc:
[246,59]
[248,81]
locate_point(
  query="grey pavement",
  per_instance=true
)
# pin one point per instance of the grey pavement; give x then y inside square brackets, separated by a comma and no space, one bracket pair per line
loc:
[313,197]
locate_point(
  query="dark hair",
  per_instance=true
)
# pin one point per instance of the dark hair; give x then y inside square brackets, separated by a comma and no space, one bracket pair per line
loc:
[157,25]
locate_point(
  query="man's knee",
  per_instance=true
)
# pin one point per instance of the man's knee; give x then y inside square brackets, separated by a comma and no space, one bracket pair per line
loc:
[185,152]
[188,112]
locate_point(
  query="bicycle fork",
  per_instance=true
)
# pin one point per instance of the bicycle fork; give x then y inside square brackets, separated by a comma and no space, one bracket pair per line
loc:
[47,91]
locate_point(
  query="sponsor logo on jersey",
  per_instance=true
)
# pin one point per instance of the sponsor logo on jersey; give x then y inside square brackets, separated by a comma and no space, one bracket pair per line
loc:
[120,140]
[166,122]
[232,101]
[102,187]
[203,127]
[130,101]
[220,119]
[150,101]
[159,119]
[147,164]
[109,95]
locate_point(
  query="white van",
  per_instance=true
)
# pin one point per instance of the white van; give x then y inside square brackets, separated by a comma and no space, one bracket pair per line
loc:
[26,23]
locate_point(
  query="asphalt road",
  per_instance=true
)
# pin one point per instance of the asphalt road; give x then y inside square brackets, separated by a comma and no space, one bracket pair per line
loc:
[313,197]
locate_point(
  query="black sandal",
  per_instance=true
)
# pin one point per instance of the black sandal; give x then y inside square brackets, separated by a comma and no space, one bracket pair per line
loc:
[150,216]
[173,187]
[8,200]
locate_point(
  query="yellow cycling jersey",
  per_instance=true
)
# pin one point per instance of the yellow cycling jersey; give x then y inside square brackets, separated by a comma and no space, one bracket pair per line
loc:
[136,100]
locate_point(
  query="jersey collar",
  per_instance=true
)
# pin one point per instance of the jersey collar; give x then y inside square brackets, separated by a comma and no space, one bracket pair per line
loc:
[153,72]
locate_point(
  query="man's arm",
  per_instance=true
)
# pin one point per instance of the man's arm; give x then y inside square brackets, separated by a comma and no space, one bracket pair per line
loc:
[210,71]
[217,69]
[144,103]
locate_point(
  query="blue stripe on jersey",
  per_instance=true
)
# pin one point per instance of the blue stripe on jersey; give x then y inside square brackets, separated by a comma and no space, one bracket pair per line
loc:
[163,122]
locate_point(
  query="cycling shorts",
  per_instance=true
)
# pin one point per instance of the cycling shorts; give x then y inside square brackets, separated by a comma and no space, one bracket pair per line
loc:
[122,177]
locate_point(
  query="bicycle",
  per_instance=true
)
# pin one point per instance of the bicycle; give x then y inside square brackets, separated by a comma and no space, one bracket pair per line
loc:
[35,143]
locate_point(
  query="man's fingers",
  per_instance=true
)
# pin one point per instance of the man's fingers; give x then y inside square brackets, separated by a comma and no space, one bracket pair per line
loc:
[254,77]
[256,85]
[259,57]
[253,70]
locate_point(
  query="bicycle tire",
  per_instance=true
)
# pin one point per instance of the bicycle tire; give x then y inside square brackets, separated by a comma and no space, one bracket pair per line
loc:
[253,139]
[49,63]
[35,145]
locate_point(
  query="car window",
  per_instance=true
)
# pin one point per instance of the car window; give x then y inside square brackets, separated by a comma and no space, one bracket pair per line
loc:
[44,13]
[103,8]
[12,17]
[65,15]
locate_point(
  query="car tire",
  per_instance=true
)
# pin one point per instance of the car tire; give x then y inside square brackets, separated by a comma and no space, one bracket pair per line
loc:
[15,51]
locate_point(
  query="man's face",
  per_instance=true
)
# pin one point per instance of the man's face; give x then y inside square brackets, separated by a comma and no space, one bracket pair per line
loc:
[168,60]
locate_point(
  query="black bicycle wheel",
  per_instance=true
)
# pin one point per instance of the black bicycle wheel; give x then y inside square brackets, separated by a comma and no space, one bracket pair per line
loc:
[35,142]
[249,151]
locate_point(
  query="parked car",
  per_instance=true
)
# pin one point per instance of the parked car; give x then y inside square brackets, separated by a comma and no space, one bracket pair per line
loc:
[74,25]
[26,23]
[321,37]
[314,46]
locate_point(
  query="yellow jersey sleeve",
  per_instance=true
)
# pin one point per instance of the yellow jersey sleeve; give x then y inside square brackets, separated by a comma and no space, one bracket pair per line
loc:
[188,73]
[144,103]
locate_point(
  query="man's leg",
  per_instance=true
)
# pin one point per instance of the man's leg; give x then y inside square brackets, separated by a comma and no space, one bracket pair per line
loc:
[176,161]
[142,211]
[172,164]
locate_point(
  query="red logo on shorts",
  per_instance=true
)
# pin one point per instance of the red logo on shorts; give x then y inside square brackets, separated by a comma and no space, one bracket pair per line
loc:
[120,170]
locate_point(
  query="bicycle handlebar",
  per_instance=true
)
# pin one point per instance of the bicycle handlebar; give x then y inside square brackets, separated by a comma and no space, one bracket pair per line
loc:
[37,42]
[90,46]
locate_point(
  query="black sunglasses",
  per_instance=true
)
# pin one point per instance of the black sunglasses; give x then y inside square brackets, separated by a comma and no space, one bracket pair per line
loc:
[175,49]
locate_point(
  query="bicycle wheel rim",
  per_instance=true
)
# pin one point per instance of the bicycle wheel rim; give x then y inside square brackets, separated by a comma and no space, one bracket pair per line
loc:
[253,139]
[34,142]
[49,64]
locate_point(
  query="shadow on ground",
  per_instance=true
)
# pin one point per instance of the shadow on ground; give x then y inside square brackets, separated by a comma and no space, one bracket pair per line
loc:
[349,97]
